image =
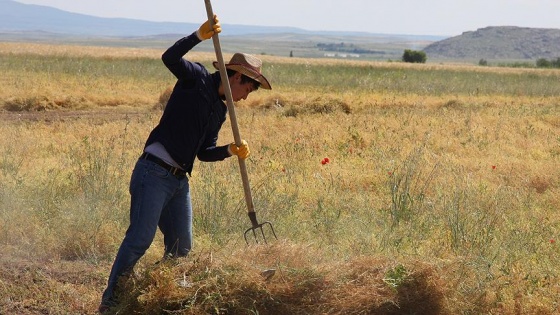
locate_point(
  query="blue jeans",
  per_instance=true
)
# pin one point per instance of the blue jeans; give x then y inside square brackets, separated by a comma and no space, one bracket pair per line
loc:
[158,199]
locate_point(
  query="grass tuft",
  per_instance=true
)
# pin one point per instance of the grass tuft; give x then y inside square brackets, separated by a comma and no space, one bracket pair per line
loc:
[208,283]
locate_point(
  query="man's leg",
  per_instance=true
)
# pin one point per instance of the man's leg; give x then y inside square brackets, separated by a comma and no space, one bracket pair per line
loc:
[150,188]
[176,222]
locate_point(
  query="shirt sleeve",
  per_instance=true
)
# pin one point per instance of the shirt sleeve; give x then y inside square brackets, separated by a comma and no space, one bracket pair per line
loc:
[174,61]
[209,152]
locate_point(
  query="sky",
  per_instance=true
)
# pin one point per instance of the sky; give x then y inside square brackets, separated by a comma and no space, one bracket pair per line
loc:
[409,17]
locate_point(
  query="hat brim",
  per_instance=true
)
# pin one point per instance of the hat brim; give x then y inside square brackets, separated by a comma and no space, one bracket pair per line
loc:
[247,72]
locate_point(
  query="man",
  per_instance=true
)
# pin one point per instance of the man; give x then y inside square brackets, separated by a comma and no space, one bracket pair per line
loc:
[188,128]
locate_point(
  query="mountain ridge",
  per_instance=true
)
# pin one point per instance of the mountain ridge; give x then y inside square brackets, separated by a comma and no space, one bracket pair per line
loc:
[499,43]
[18,17]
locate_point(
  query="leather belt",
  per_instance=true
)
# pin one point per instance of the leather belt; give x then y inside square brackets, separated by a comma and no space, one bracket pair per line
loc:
[177,172]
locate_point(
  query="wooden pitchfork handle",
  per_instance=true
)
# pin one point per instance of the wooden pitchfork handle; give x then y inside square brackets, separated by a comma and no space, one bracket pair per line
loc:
[233,118]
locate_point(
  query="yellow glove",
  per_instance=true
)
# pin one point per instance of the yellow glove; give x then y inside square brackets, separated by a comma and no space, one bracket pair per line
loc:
[206,32]
[241,151]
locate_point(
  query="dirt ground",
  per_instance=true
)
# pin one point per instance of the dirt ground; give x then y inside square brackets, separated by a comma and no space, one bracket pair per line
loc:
[31,285]
[98,115]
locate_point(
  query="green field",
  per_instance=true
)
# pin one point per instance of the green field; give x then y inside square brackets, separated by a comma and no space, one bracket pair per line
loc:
[440,195]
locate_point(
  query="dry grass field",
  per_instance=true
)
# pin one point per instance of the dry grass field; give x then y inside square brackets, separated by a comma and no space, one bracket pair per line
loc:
[440,195]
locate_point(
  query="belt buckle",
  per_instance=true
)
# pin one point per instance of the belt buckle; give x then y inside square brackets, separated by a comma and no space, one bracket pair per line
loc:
[176,171]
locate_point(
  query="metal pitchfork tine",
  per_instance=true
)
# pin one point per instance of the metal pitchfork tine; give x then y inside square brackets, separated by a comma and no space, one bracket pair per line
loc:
[258,226]
[236,135]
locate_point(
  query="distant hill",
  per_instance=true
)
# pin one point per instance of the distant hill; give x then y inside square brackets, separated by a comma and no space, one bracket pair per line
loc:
[499,43]
[28,18]
[26,22]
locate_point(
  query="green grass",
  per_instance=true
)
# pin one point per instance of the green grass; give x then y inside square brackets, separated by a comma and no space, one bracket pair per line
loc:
[426,80]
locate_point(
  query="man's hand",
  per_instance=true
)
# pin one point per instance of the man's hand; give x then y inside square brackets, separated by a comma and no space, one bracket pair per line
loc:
[241,151]
[205,32]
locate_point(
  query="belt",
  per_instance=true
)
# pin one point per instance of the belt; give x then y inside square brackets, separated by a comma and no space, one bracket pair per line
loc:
[175,171]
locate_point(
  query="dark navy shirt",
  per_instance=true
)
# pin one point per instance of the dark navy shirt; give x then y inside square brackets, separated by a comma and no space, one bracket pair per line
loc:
[195,112]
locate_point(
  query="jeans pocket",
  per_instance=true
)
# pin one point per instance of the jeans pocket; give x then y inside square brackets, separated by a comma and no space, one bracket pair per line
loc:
[158,171]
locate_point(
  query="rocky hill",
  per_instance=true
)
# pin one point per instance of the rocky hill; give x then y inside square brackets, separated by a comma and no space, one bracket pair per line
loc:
[499,43]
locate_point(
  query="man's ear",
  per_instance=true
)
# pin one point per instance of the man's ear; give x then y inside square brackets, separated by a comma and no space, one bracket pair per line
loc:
[234,77]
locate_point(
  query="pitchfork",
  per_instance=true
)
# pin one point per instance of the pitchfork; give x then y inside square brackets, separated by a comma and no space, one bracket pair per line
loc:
[237,136]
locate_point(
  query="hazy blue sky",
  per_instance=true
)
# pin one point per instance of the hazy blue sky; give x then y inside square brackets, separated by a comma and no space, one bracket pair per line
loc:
[428,17]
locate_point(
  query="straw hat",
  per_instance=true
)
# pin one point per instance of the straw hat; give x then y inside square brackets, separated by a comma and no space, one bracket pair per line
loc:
[248,65]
